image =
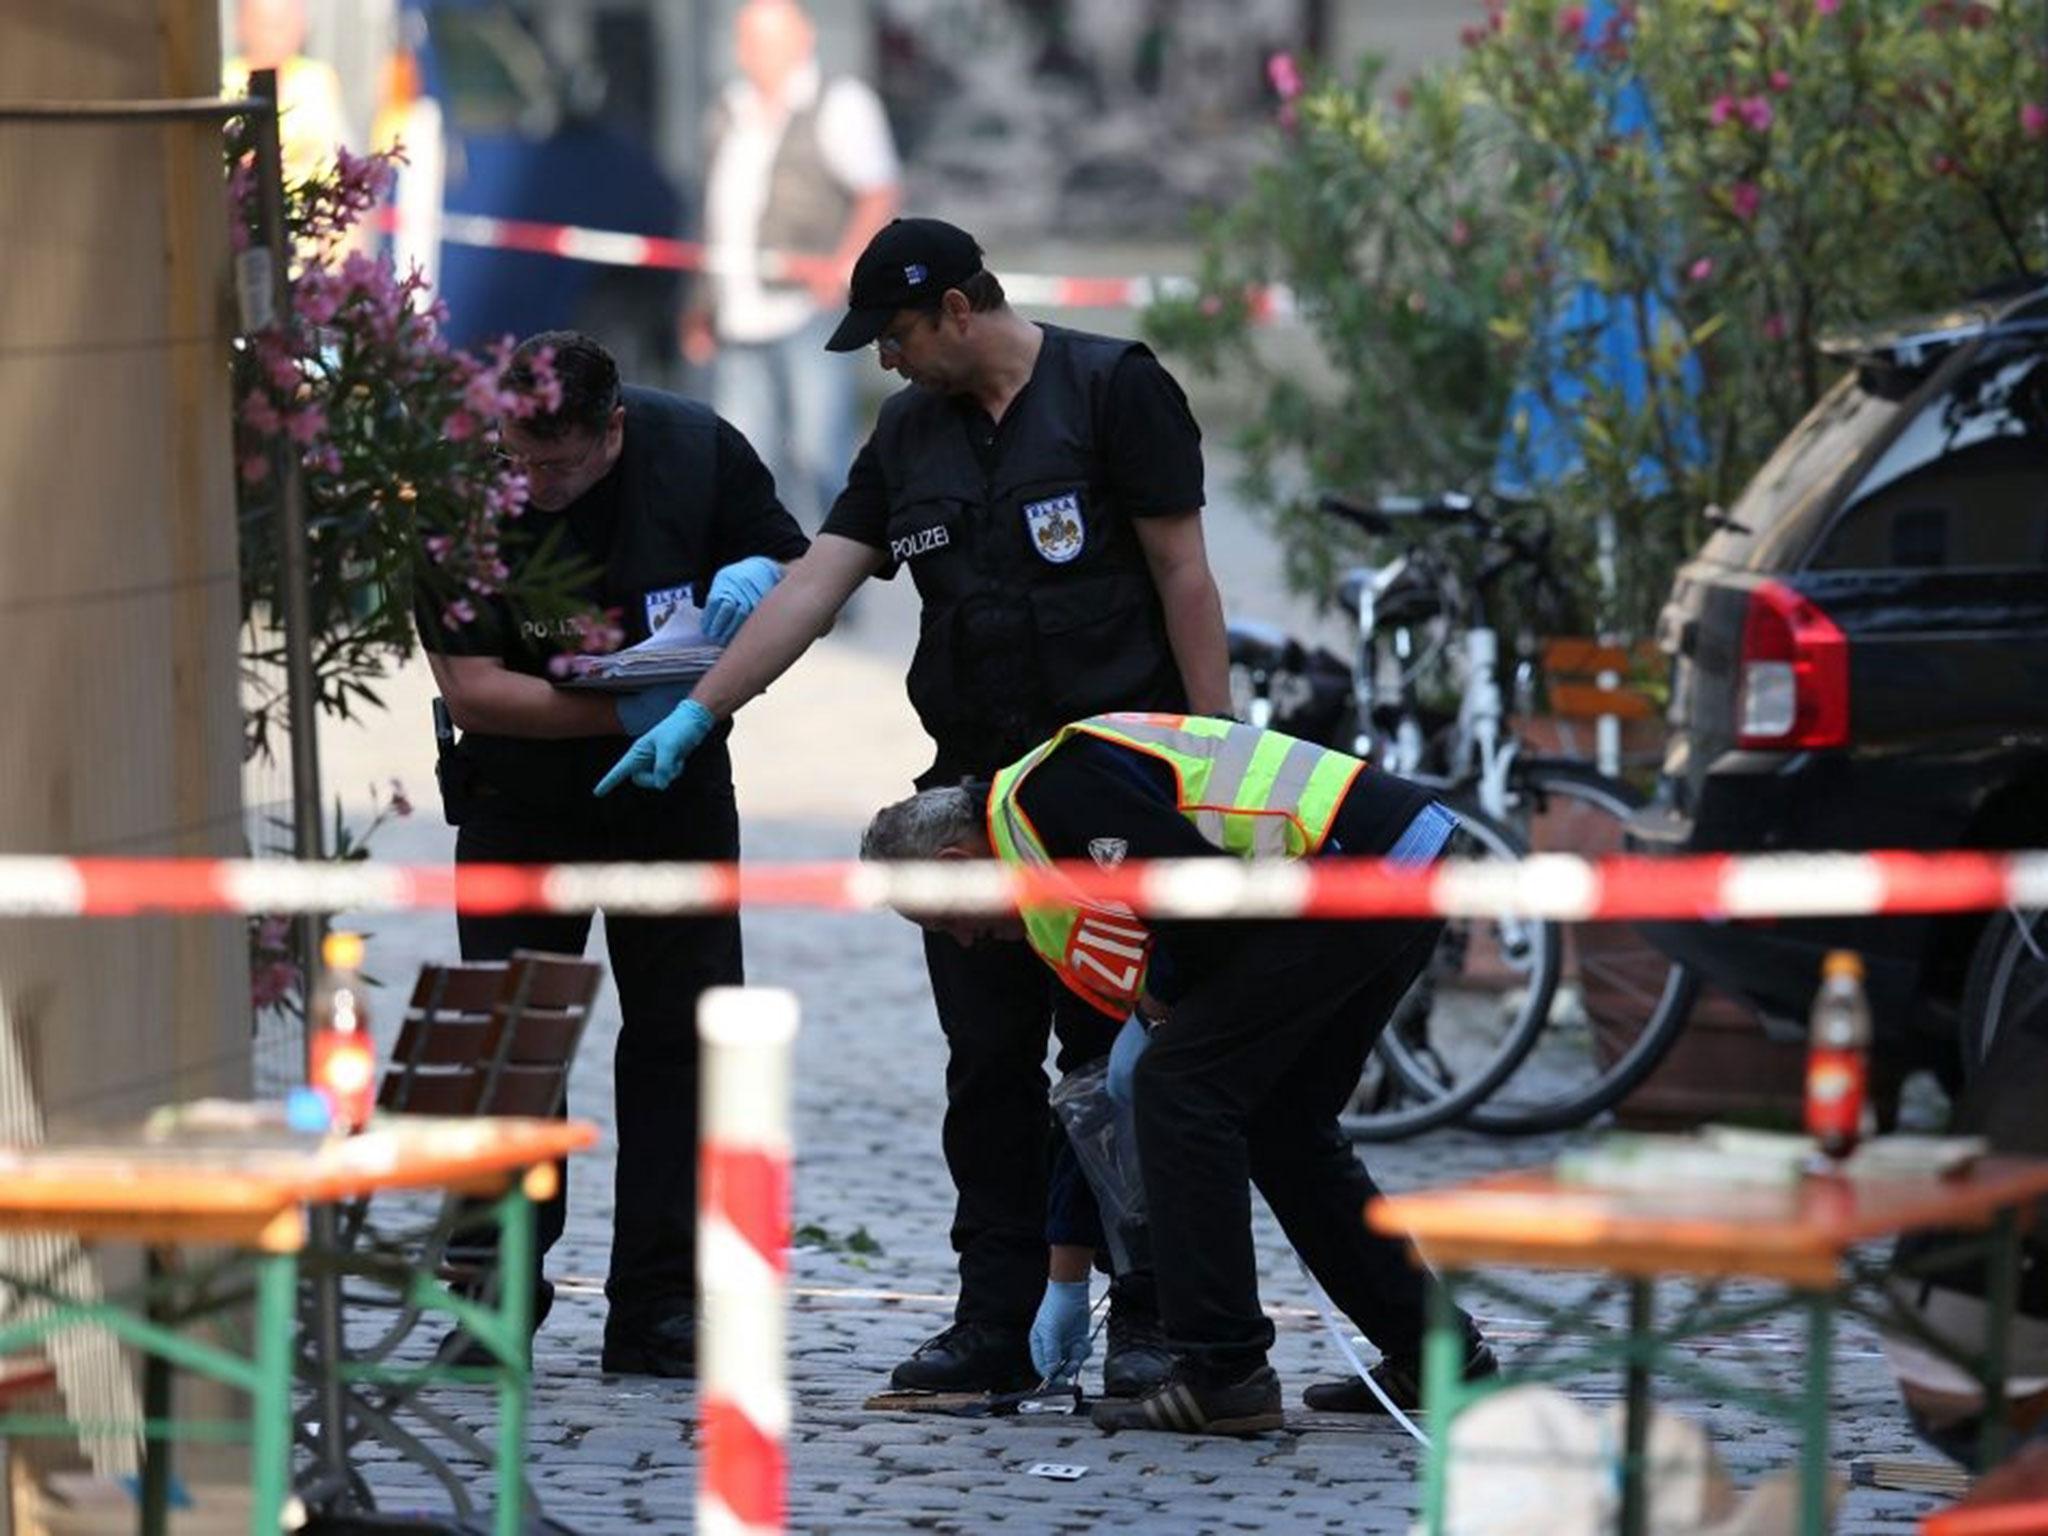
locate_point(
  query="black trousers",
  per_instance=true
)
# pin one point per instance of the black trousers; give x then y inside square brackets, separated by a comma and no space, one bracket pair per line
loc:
[999,1005]
[1242,1086]
[660,965]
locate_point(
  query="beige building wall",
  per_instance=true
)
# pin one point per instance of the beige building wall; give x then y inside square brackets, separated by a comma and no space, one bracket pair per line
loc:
[119,725]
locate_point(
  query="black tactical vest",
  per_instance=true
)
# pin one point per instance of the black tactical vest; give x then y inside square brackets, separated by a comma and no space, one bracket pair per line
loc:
[663,545]
[1038,605]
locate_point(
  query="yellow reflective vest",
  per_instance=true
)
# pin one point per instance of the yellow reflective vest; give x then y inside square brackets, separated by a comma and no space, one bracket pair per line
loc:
[1254,793]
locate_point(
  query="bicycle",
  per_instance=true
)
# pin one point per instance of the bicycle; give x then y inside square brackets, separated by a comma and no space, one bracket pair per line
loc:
[1524,1069]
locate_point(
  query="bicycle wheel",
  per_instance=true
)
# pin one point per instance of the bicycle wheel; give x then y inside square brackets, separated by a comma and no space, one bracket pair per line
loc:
[2006,986]
[1623,1002]
[1473,1014]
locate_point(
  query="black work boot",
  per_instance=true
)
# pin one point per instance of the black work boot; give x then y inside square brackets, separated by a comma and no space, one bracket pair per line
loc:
[1401,1380]
[1188,1404]
[969,1357]
[1137,1357]
[656,1346]
[458,1348]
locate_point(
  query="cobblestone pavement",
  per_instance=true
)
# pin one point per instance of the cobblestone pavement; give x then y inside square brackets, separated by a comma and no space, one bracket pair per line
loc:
[611,1454]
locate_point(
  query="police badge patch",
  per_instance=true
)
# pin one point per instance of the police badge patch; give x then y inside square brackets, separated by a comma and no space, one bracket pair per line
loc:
[1107,852]
[1057,532]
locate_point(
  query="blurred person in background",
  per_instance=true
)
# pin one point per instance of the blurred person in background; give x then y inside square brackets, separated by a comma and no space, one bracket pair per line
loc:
[661,505]
[1043,487]
[269,34]
[802,167]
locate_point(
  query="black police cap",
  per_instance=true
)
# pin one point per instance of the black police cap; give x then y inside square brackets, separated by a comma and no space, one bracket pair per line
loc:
[908,265]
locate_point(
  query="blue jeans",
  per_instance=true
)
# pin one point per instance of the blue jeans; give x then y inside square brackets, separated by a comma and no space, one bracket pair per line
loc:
[793,401]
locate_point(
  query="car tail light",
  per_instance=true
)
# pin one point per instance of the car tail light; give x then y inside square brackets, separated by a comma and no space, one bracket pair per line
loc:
[1794,674]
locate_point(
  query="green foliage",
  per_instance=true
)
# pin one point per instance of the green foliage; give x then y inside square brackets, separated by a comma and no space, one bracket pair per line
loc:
[1806,167]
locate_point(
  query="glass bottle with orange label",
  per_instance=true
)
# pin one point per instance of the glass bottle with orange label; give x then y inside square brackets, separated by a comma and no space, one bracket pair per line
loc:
[344,1061]
[1838,1055]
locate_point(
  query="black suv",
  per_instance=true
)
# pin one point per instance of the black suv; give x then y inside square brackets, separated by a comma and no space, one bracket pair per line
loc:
[1860,658]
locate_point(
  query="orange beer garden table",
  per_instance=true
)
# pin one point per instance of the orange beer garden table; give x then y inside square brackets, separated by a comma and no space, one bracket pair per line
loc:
[205,1186]
[1804,1237]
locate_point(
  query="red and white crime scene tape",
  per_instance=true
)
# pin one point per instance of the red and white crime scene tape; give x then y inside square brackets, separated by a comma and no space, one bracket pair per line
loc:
[613,248]
[1565,887]
[743,1257]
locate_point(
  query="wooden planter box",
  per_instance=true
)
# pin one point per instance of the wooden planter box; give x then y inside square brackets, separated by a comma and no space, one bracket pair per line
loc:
[1722,1066]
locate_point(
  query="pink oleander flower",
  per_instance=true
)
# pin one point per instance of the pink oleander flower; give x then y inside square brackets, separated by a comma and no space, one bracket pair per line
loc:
[1781,80]
[1756,112]
[460,426]
[254,468]
[1826,7]
[1701,270]
[1571,21]
[1722,110]
[260,414]
[458,613]
[1745,198]
[2034,119]
[270,985]
[306,424]
[317,294]
[1284,75]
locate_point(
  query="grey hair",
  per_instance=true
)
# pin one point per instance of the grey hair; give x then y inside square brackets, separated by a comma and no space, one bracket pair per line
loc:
[926,823]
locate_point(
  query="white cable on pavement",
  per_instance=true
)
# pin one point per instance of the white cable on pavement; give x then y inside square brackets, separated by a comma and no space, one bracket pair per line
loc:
[1344,1347]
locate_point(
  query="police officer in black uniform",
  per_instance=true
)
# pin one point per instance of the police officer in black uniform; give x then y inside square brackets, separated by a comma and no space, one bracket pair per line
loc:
[1043,486]
[662,503]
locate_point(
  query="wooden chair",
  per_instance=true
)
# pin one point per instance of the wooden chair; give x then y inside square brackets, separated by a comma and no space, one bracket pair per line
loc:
[489,1038]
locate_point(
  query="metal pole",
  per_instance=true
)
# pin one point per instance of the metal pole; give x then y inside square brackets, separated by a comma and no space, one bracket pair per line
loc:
[302,702]
[301,699]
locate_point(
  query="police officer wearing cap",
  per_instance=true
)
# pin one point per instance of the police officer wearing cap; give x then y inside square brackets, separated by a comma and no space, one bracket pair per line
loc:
[659,503]
[1043,486]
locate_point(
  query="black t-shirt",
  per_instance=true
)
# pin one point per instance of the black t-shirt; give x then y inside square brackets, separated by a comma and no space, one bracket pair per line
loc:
[1151,444]
[1088,788]
[640,536]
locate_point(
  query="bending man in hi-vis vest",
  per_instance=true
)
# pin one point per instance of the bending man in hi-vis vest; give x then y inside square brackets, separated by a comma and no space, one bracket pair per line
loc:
[1258,1029]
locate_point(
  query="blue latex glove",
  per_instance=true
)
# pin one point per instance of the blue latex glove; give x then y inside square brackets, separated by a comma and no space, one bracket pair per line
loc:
[736,592]
[641,712]
[1059,1334]
[656,758]
[1130,1044]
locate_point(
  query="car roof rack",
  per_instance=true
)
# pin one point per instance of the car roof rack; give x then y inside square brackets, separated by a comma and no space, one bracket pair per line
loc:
[1893,358]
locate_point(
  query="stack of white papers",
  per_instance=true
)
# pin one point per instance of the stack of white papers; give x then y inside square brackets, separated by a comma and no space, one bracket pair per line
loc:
[678,652]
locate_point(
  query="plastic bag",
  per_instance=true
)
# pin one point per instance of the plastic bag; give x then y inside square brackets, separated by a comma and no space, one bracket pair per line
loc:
[1105,1143]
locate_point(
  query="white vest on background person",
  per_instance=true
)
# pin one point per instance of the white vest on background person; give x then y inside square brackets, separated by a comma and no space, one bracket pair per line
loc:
[852,153]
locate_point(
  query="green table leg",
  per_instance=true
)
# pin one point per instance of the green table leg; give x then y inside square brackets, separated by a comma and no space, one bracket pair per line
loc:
[1813,1461]
[1443,1359]
[270,1429]
[2001,1286]
[1642,1343]
[515,1308]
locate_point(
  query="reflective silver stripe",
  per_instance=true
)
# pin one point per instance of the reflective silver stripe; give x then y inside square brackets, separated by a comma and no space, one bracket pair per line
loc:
[1291,779]
[1230,763]
[1269,836]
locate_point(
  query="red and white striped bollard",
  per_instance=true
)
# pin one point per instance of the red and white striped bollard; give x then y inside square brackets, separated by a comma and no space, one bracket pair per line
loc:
[743,1258]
